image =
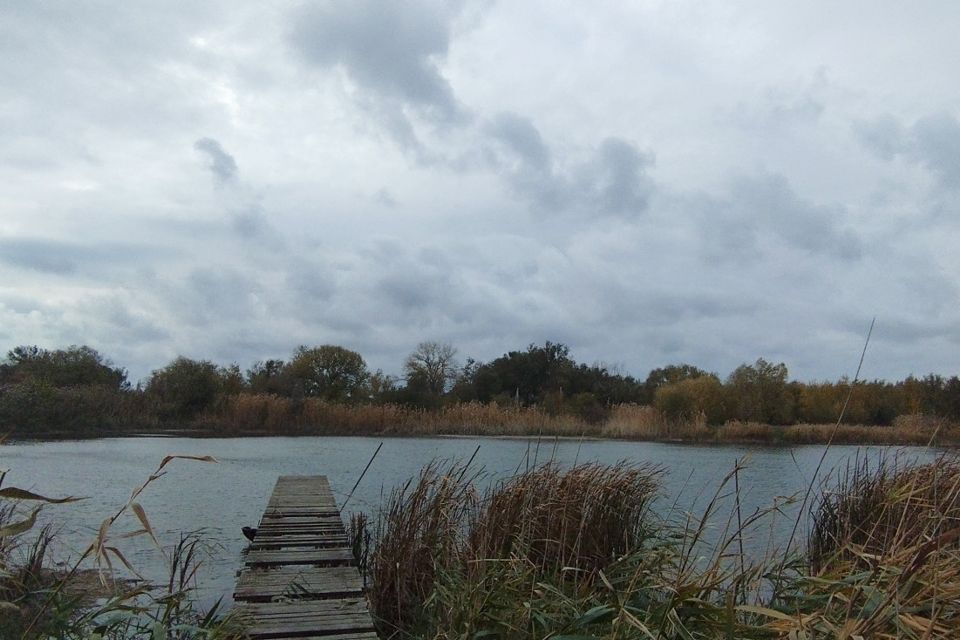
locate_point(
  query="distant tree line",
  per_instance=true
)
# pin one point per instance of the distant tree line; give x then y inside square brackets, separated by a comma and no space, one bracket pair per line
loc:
[78,389]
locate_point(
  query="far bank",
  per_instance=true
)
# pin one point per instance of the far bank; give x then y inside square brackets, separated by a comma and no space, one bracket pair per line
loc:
[269,415]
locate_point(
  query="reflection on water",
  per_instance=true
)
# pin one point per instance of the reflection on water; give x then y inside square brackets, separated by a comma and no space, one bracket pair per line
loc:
[218,499]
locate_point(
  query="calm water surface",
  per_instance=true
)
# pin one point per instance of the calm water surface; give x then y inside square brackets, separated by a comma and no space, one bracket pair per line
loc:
[220,498]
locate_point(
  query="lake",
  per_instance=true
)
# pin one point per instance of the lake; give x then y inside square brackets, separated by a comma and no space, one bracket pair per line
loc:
[218,499]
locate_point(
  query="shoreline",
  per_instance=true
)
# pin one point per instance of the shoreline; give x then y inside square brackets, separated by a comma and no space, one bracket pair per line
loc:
[776,439]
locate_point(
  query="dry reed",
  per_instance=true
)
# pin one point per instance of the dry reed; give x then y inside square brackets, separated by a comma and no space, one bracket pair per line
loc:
[269,414]
[577,553]
[873,510]
[581,518]
[420,526]
[546,519]
[76,600]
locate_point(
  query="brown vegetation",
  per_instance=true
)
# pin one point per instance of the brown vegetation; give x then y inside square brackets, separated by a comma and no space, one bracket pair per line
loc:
[250,414]
[41,598]
[573,522]
[541,390]
[873,509]
[577,554]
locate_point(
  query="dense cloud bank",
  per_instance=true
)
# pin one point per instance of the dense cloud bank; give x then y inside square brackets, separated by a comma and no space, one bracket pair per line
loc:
[646,183]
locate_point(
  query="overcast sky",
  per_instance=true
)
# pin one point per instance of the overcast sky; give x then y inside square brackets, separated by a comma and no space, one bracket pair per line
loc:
[647,182]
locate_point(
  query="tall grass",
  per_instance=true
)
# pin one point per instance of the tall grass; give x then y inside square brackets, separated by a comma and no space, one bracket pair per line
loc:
[873,509]
[576,554]
[270,414]
[545,521]
[882,557]
[421,522]
[575,519]
[267,414]
[85,599]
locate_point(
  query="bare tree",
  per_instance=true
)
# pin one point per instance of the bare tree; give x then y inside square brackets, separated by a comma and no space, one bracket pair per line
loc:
[431,365]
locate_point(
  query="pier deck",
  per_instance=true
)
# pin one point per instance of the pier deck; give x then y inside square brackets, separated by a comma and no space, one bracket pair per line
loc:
[299,578]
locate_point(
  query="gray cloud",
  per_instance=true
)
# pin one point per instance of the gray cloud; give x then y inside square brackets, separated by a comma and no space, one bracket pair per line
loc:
[885,136]
[616,177]
[384,197]
[391,49]
[765,208]
[932,141]
[62,258]
[39,255]
[392,52]
[412,283]
[213,292]
[481,173]
[313,284]
[222,165]
[611,181]
[776,109]
[519,135]
[906,331]
[252,224]
[936,144]
[770,204]
[118,319]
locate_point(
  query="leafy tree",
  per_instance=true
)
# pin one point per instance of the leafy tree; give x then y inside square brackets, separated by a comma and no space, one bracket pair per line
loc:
[270,377]
[465,387]
[184,387]
[70,367]
[231,380]
[669,374]
[431,367]
[758,392]
[685,399]
[819,402]
[951,398]
[329,372]
[544,375]
[60,390]
[382,386]
[608,385]
[528,375]
[588,407]
[932,396]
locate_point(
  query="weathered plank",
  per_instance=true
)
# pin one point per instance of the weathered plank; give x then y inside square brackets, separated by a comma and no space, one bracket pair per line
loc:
[337,557]
[327,532]
[305,538]
[282,519]
[271,620]
[300,579]
[262,584]
[294,541]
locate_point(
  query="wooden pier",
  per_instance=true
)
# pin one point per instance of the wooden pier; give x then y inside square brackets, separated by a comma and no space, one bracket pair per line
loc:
[300,579]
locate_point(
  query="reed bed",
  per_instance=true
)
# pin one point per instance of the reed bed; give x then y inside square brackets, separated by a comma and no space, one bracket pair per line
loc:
[421,523]
[85,599]
[576,519]
[270,414]
[441,535]
[873,510]
[882,557]
[576,554]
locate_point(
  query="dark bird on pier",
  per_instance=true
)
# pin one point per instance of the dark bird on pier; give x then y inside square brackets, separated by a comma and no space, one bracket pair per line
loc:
[249,532]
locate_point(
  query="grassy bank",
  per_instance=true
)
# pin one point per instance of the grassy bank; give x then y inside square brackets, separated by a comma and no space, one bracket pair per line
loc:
[250,414]
[578,554]
[271,415]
